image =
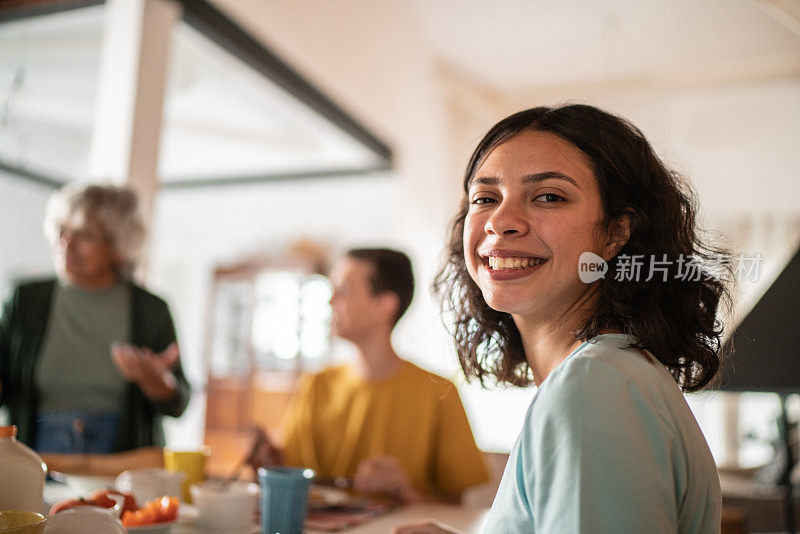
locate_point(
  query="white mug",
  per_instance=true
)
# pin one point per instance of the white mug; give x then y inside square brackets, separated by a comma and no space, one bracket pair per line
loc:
[83,519]
[150,483]
[225,507]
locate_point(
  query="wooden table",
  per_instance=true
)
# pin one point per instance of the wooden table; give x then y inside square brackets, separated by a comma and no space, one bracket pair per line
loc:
[469,520]
[466,519]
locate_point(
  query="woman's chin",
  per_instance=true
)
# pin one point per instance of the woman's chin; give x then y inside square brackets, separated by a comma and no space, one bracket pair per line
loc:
[508,304]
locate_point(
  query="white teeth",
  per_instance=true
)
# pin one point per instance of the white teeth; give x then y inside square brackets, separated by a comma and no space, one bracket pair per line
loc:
[498,264]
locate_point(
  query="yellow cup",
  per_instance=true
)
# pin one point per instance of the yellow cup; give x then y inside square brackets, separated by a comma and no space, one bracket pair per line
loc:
[193,463]
[19,522]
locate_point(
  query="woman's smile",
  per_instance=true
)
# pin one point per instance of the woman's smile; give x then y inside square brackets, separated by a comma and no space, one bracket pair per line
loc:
[502,264]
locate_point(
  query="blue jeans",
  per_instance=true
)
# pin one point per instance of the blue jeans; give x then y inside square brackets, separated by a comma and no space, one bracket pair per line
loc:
[76,431]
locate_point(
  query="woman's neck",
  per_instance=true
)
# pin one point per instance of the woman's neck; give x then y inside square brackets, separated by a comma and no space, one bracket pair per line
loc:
[546,346]
[549,339]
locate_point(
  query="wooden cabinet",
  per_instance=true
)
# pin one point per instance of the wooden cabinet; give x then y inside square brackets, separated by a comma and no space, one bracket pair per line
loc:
[267,323]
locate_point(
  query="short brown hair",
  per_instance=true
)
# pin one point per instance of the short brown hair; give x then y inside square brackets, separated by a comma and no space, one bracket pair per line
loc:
[391,271]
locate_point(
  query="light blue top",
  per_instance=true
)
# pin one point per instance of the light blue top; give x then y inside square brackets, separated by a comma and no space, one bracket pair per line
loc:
[609,445]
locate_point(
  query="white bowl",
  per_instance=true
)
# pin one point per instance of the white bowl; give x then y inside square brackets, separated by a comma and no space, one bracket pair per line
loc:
[229,507]
[83,519]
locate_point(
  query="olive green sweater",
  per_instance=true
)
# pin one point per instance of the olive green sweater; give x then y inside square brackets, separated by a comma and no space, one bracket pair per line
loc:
[22,328]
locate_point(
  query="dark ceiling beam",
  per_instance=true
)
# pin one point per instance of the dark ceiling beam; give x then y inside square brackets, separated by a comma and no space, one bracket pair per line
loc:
[221,29]
[275,177]
[22,9]
[33,176]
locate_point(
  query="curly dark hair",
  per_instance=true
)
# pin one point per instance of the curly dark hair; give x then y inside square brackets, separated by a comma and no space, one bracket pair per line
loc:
[675,319]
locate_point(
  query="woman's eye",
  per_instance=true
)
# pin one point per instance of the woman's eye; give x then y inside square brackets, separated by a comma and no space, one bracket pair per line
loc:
[481,200]
[549,197]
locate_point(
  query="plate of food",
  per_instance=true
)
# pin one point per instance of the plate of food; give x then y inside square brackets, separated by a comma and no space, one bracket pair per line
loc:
[157,515]
[327,497]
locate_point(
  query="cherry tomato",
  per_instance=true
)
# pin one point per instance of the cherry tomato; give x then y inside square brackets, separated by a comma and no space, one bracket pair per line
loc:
[149,512]
[132,519]
[167,509]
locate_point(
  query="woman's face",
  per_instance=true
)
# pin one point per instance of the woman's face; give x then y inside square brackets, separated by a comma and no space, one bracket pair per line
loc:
[84,255]
[534,208]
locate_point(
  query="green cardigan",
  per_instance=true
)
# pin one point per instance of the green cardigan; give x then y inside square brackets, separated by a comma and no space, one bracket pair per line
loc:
[22,327]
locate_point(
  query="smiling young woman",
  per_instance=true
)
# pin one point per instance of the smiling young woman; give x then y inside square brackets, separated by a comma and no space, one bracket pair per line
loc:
[593,184]
[609,443]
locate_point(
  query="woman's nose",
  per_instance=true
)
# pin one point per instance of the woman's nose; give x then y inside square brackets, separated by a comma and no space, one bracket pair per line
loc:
[507,219]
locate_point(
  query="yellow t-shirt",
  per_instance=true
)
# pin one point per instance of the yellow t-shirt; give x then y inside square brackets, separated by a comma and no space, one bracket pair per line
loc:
[337,419]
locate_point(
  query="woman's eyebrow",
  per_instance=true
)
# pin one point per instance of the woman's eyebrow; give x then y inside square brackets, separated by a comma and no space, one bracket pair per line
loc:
[527,179]
[541,176]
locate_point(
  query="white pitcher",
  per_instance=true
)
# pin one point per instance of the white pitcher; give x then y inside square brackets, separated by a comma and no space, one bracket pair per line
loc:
[22,474]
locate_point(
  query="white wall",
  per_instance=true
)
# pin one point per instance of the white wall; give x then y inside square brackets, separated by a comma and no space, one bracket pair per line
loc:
[26,252]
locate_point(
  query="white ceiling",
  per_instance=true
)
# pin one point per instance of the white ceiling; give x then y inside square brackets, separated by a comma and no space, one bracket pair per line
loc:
[510,45]
[222,118]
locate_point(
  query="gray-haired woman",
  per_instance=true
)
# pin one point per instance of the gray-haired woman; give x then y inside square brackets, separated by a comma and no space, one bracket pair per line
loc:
[88,360]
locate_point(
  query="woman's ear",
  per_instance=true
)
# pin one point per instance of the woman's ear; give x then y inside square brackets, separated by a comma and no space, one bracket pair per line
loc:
[619,232]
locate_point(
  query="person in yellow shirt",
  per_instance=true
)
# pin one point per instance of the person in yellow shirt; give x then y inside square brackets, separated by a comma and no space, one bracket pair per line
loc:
[383,422]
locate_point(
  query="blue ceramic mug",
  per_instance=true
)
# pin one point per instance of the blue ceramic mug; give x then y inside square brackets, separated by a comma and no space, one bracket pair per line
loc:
[284,498]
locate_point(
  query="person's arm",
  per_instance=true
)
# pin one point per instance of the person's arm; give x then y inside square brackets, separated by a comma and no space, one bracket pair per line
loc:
[176,404]
[602,458]
[385,475]
[457,462]
[263,451]
[156,369]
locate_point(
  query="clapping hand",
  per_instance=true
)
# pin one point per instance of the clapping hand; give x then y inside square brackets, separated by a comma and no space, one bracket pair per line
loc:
[148,370]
